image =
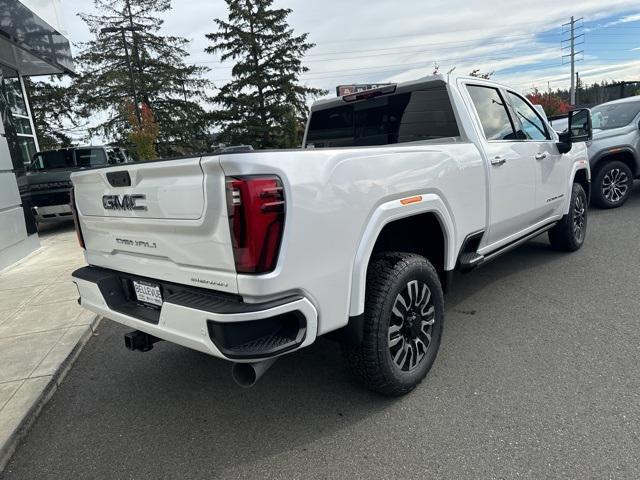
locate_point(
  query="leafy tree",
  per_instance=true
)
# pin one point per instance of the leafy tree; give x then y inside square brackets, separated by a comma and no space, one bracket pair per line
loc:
[477,73]
[54,116]
[552,104]
[474,73]
[264,95]
[172,89]
[144,133]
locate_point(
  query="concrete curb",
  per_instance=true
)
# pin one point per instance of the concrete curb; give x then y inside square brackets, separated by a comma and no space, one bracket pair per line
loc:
[8,448]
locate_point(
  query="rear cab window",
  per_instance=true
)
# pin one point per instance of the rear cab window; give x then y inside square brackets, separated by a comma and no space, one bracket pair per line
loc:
[422,114]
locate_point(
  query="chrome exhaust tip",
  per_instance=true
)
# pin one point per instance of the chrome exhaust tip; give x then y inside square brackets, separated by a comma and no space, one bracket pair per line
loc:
[247,374]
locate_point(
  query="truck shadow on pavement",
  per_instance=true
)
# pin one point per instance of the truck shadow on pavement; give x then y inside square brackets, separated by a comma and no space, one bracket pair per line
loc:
[172,410]
[535,254]
[181,409]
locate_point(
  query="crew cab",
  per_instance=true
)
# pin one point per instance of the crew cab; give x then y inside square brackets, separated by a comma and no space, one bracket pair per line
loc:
[250,256]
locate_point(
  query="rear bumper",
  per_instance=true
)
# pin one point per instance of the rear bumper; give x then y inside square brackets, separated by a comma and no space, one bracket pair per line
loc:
[221,325]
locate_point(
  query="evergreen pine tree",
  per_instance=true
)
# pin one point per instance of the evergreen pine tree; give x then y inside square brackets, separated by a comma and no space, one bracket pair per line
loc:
[258,104]
[52,104]
[172,89]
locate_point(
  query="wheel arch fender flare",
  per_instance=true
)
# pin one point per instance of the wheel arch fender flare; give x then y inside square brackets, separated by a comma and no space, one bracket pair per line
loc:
[578,167]
[612,151]
[385,214]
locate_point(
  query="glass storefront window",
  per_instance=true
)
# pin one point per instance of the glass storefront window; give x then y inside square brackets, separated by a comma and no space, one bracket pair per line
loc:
[27,149]
[23,125]
[15,116]
[14,96]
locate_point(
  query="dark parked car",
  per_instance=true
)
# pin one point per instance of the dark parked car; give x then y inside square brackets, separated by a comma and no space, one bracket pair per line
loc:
[46,185]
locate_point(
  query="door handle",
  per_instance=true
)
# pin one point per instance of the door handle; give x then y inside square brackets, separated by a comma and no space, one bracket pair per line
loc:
[498,160]
[541,155]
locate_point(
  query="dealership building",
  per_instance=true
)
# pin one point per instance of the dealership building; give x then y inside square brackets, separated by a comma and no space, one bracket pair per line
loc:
[32,42]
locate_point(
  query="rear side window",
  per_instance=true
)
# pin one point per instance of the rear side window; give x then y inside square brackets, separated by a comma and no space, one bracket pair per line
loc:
[492,111]
[405,117]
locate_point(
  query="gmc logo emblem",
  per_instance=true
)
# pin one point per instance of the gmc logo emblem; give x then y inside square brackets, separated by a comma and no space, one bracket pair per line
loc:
[124,202]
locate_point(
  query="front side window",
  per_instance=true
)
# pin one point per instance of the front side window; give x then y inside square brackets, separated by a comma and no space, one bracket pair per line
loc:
[492,112]
[425,114]
[531,123]
[114,156]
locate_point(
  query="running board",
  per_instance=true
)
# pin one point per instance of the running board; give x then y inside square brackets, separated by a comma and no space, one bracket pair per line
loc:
[469,261]
[472,260]
[516,243]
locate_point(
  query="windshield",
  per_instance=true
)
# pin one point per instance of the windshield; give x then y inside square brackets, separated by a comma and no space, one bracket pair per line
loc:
[614,115]
[81,157]
[406,117]
[53,159]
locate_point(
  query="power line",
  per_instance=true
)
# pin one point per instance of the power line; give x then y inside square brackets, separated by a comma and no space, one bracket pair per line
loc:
[397,50]
[389,68]
[495,40]
[358,39]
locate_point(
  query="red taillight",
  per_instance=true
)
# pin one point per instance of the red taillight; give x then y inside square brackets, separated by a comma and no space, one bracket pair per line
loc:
[76,221]
[256,217]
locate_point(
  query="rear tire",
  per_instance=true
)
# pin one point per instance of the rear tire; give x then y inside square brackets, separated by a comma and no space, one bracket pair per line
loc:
[404,314]
[569,233]
[612,185]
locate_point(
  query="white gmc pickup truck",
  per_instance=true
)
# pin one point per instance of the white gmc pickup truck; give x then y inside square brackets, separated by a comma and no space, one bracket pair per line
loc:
[249,256]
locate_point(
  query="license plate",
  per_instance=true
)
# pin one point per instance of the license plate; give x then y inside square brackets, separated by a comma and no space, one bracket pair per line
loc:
[147,292]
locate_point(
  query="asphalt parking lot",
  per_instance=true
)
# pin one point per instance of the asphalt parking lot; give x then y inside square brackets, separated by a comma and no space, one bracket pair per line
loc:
[538,376]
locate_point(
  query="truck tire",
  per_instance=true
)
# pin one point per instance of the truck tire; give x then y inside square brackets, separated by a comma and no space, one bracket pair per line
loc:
[569,233]
[404,314]
[612,185]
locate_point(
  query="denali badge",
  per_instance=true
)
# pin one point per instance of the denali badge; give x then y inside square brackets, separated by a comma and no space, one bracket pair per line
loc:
[124,202]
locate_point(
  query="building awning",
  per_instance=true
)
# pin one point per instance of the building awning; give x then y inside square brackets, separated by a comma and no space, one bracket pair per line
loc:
[29,44]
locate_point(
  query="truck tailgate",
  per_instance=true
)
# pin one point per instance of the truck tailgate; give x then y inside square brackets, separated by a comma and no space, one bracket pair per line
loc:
[172,189]
[176,228]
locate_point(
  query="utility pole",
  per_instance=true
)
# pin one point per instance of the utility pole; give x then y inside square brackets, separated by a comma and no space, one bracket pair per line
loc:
[577,86]
[572,51]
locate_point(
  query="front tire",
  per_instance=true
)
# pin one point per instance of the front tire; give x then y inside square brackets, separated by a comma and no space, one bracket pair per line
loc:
[404,314]
[612,185]
[569,233]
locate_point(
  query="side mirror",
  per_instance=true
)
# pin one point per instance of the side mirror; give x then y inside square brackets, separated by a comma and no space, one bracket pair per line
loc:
[579,129]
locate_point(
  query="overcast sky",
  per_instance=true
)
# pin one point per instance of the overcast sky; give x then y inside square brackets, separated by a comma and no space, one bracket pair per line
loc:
[376,41]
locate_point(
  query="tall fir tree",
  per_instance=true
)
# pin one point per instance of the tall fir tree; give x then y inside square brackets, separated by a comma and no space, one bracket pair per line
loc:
[53,105]
[264,104]
[162,81]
